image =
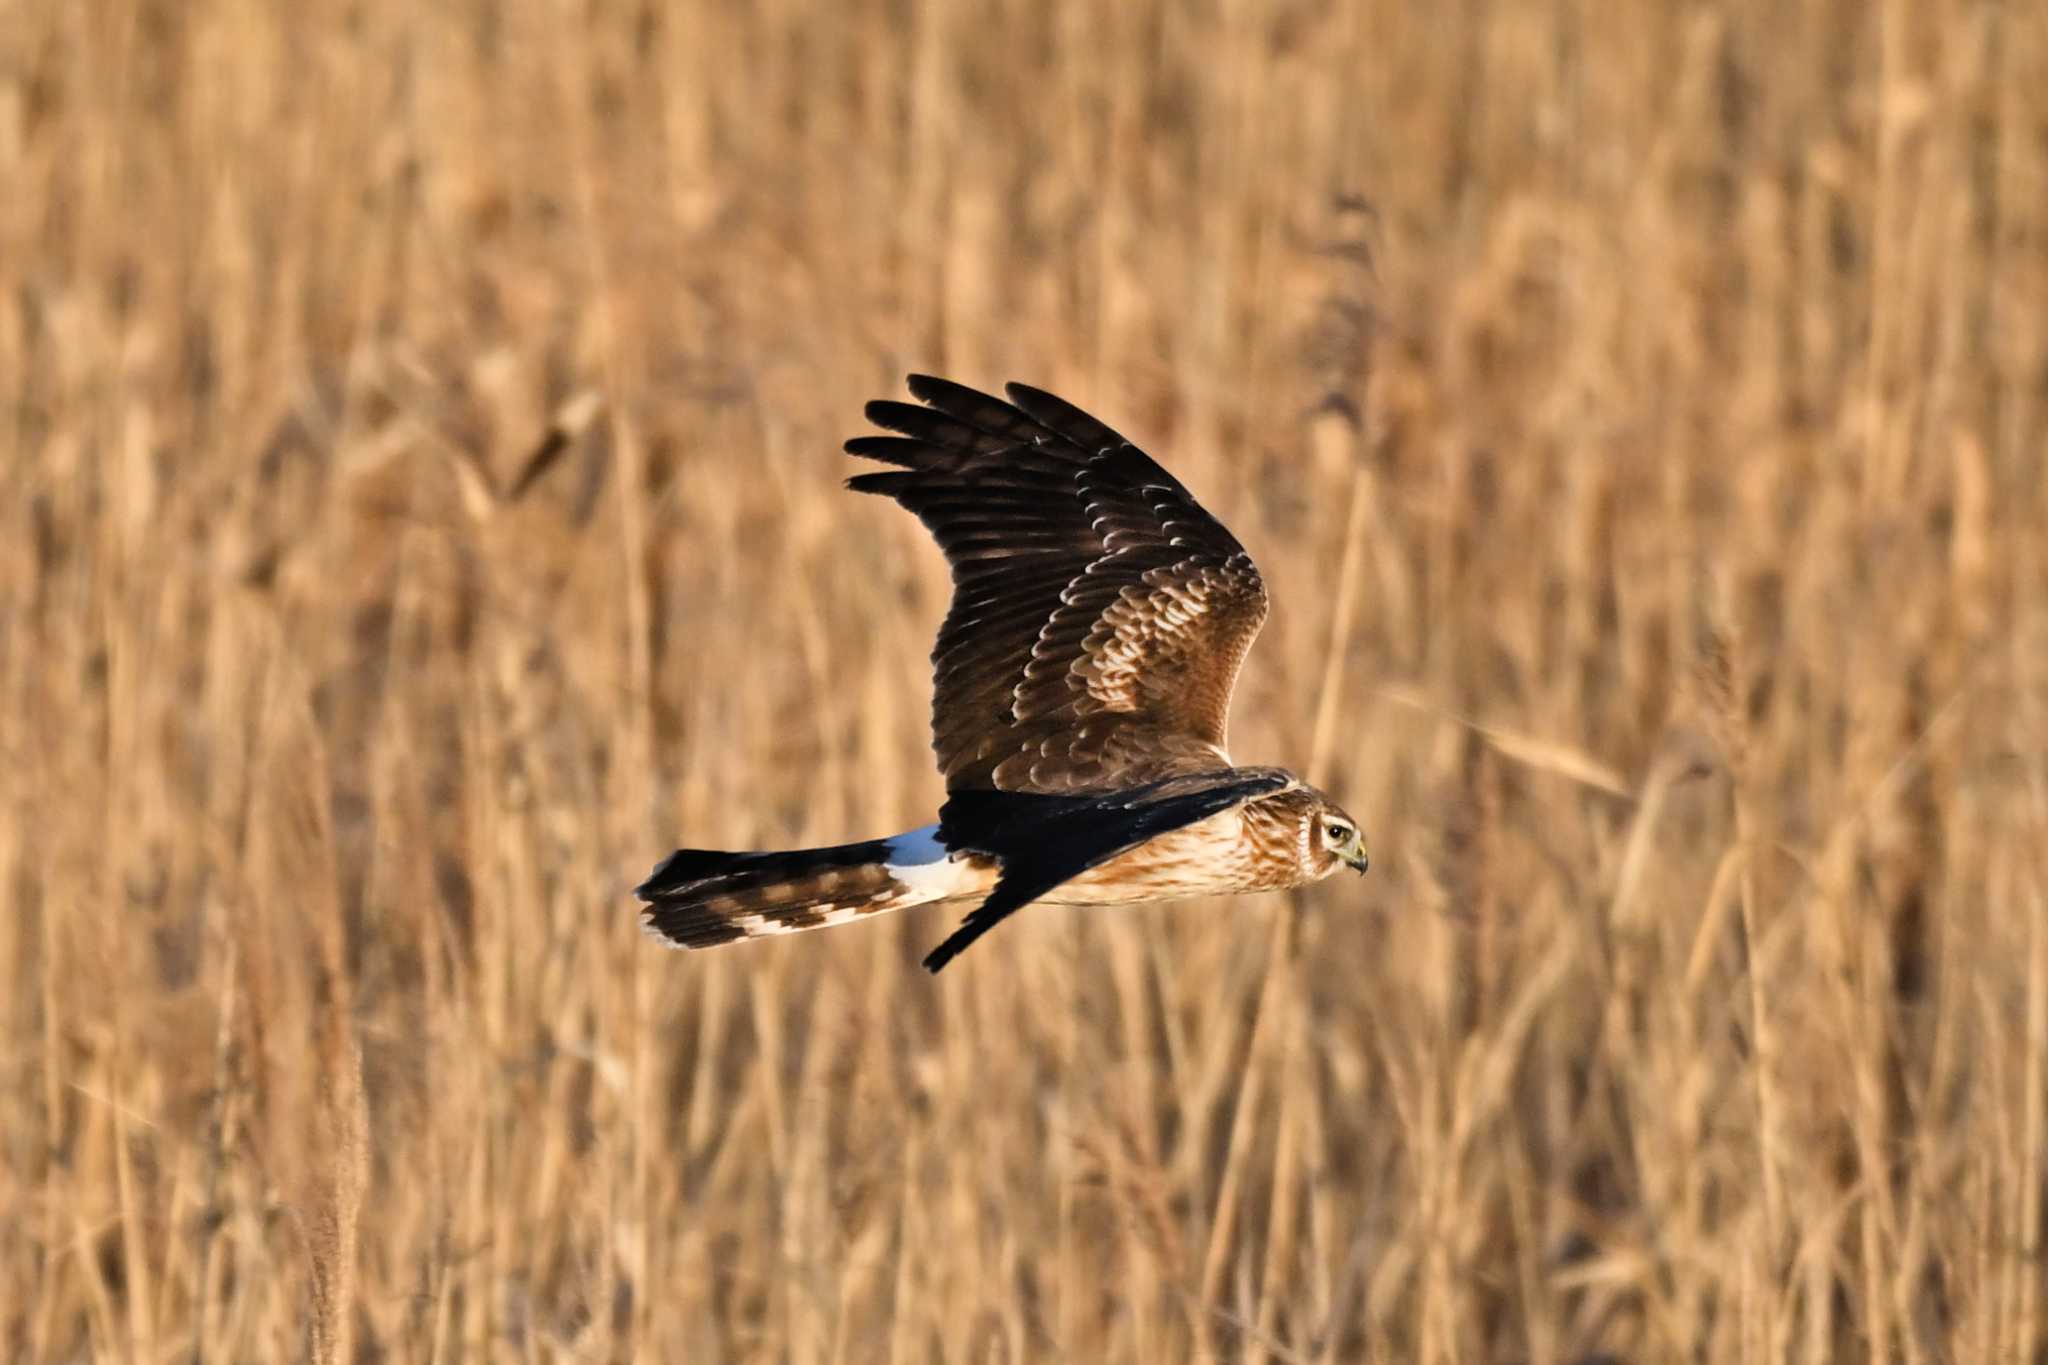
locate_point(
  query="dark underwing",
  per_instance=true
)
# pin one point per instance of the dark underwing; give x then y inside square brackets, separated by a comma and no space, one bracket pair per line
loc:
[1041,840]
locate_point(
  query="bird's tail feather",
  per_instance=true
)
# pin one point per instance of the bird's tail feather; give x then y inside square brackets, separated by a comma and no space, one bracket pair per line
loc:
[699,898]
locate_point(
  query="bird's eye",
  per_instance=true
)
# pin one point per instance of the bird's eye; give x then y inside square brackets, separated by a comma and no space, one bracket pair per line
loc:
[1339,834]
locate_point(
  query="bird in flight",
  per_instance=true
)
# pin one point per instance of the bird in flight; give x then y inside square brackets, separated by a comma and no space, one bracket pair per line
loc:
[1082,681]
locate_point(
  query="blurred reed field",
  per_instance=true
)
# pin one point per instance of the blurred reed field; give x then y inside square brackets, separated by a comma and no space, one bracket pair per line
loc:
[423,511]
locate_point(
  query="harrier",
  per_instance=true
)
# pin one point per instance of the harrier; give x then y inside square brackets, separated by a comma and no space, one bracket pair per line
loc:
[1082,681]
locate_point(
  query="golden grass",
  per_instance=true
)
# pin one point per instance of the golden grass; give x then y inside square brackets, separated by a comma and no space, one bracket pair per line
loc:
[1674,622]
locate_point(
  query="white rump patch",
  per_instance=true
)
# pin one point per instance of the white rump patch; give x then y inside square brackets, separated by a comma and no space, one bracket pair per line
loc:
[926,866]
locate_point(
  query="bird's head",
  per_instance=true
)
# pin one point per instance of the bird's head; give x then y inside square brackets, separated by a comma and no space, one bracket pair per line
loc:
[1331,839]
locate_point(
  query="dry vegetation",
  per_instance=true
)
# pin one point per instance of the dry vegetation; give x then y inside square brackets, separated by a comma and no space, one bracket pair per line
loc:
[1673,621]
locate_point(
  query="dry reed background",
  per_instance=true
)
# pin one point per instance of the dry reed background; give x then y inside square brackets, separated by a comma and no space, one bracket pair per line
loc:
[1674,625]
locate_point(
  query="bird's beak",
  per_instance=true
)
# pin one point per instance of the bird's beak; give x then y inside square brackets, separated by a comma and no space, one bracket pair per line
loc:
[1355,857]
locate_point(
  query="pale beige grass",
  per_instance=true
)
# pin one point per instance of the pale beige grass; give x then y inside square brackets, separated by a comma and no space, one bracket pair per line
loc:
[1669,605]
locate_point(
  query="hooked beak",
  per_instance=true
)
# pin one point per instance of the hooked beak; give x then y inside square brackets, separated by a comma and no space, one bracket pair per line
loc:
[1354,857]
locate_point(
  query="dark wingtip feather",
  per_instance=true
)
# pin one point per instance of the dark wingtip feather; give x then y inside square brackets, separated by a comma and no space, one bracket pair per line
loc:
[935,961]
[887,483]
[896,450]
[993,911]
[1057,414]
[891,415]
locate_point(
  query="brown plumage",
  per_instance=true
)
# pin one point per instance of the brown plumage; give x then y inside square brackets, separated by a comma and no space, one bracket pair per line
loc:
[1081,691]
[1099,614]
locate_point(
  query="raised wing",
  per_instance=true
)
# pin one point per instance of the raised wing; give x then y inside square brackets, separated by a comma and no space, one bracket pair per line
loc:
[1099,614]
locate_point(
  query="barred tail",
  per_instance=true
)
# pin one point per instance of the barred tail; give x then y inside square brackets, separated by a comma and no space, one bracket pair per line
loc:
[699,898]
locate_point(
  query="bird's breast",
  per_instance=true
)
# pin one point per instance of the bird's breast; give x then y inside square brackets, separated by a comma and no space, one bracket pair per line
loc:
[1212,857]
